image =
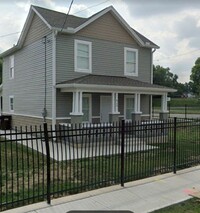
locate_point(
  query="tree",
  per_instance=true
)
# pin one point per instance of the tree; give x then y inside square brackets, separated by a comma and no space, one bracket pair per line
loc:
[195,77]
[162,76]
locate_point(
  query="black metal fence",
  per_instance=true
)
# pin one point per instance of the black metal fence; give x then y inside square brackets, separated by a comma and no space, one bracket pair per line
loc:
[40,163]
[184,111]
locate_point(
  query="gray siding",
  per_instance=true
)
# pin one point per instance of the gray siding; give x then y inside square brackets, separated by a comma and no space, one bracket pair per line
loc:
[107,58]
[63,104]
[145,104]
[28,85]
[37,30]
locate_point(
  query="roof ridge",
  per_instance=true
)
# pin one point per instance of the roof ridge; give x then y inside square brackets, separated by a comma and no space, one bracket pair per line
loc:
[55,11]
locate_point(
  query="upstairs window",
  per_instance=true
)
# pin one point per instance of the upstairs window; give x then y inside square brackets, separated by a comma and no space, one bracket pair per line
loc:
[83,56]
[130,61]
[11,70]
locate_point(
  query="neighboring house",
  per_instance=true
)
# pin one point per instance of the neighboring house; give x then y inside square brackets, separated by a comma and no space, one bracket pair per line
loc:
[95,69]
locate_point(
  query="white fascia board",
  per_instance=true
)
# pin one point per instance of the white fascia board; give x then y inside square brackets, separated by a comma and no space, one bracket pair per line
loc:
[107,88]
[41,17]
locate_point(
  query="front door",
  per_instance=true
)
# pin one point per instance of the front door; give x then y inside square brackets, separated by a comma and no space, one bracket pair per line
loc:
[105,108]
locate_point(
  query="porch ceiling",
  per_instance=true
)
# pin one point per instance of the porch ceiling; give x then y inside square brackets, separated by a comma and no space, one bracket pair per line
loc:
[102,83]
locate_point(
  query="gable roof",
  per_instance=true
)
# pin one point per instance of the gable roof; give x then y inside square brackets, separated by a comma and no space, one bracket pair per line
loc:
[112,81]
[74,24]
[54,21]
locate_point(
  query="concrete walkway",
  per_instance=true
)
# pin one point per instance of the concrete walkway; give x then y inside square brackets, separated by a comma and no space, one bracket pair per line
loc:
[139,196]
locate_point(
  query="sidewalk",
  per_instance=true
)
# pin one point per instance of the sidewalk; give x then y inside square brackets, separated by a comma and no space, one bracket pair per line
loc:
[139,196]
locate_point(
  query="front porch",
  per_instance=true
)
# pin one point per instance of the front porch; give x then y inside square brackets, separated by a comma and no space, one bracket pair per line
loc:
[111,99]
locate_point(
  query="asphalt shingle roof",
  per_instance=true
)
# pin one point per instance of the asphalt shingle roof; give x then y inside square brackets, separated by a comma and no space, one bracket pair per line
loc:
[56,19]
[110,81]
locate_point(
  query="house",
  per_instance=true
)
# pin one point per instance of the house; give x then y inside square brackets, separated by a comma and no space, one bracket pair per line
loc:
[72,70]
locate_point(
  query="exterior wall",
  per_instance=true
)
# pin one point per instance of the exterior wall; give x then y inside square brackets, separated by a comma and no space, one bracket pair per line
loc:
[23,121]
[107,28]
[108,39]
[145,104]
[63,104]
[28,85]
[37,30]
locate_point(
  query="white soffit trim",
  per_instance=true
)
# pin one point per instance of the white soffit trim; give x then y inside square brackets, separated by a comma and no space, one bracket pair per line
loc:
[110,88]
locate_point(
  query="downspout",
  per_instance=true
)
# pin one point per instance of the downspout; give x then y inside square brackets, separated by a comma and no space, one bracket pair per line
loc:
[150,104]
[54,34]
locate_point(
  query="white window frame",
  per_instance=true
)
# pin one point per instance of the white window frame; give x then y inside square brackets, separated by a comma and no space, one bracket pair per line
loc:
[125,103]
[11,67]
[76,56]
[11,109]
[90,107]
[126,49]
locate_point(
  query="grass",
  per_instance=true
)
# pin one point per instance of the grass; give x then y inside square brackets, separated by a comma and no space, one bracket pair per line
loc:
[188,206]
[23,170]
[177,105]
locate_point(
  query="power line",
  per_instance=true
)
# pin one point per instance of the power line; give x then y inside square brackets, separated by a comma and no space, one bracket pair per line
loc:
[67,15]
[91,6]
[175,56]
[2,36]
[10,34]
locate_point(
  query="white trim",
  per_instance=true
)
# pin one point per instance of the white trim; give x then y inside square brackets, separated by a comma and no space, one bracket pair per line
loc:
[76,42]
[110,89]
[63,118]
[90,107]
[25,115]
[125,61]
[41,17]
[11,110]
[54,78]
[77,103]
[11,67]
[96,117]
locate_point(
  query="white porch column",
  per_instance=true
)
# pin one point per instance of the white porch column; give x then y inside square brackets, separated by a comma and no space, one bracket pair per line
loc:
[164,103]
[77,103]
[137,103]
[114,115]
[136,115]
[115,103]
[164,112]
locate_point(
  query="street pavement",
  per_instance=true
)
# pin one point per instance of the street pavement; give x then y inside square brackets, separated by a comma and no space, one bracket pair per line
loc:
[139,196]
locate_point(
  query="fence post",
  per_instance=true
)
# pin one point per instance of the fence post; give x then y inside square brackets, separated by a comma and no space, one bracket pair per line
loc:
[122,152]
[46,138]
[185,111]
[175,151]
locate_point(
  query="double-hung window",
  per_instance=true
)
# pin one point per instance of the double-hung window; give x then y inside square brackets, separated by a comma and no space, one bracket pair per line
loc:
[11,103]
[129,106]
[83,56]
[11,70]
[130,61]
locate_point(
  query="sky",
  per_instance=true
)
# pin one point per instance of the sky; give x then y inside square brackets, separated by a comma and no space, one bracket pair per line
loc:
[174,25]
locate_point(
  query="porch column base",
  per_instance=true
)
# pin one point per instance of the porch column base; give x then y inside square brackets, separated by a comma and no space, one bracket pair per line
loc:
[164,115]
[76,119]
[113,118]
[136,116]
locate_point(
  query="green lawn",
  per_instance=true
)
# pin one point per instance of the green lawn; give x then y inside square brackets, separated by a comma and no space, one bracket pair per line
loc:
[189,206]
